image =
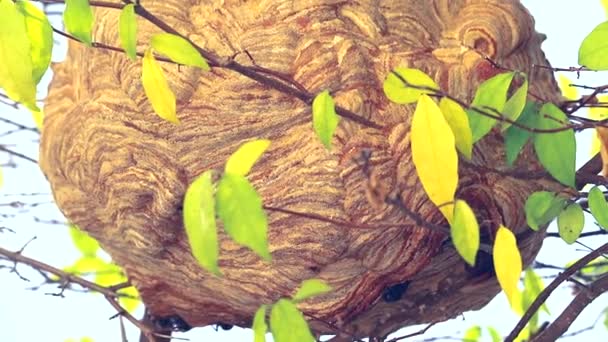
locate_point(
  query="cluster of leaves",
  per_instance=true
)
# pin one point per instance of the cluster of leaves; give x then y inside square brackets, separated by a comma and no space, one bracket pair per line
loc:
[91,264]
[438,131]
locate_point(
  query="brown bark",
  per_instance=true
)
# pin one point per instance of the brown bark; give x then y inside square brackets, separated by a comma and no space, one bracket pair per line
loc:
[120,172]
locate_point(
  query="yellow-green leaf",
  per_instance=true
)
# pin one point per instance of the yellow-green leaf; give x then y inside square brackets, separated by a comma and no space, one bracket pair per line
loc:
[458,120]
[533,286]
[593,52]
[494,334]
[472,334]
[324,117]
[515,105]
[1,177]
[556,150]
[157,89]
[507,263]
[490,97]
[402,93]
[570,223]
[178,50]
[128,30]
[288,324]
[568,91]
[87,265]
[311,288]
[130,299]
[16,73]
[240,208]
[85,244]
[259,326]
[598,206]
[465,231]
[78,19]
[199,221]
[434,154]
[241,161]
[111,274]
[38,116]
[40,35]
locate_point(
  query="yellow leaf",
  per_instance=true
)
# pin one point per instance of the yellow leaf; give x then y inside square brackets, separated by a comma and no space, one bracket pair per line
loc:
[434,155]
[458,120]
[241,161]
[157,89]
[507,264]
[1,178]
[605,5]
[598,113]
[569,92]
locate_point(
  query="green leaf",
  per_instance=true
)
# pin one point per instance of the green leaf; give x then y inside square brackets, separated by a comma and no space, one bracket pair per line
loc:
[241,161]
[324,117]
[157,89]
[542,207]
[494,334]
[515,105]
[593,52]
[598,206]
[459,123]
[40,34]
[288,324]
[557,150]
[403,93]
[78,19]
[472,334]
[128,30]
[606,319]
[311,288]
[465,232]
[570,223]
[491,94]
[85,244]
[16,73]
[199,221]
[240,208]
[515,137]
[259,326]
[178,50]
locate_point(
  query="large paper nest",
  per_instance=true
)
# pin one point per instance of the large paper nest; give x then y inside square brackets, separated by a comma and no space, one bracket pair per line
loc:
[120,172]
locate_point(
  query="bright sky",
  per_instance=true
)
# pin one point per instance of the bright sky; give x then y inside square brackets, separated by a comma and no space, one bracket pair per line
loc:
[27,315]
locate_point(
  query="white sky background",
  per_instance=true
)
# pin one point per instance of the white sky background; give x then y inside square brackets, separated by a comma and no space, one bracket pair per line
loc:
[27,315]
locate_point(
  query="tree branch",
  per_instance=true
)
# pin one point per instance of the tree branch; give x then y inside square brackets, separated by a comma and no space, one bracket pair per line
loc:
[576,306]
[542,297]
